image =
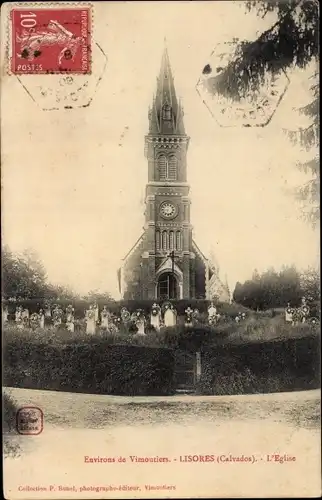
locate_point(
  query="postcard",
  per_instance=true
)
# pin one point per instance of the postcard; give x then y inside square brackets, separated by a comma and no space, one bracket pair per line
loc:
[160,249]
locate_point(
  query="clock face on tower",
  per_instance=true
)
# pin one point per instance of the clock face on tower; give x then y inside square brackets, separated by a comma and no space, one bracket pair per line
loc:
[168,210]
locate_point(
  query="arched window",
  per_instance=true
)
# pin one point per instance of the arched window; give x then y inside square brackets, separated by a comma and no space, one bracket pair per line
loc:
[171,240]
[162,167]
[165,241]
[172,168]
[178,242]
[157,240]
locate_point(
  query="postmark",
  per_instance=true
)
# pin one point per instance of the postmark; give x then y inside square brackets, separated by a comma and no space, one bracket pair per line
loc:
[255,109]
[29,421]
[49,40]
[66,91]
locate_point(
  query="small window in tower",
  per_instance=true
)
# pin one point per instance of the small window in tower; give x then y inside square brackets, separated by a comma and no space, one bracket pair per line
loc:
[167,112]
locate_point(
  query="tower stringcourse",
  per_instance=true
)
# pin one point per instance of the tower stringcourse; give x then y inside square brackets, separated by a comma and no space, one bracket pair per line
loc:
[165,262]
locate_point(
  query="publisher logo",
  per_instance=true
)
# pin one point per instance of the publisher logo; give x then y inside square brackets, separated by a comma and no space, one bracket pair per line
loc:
[29,421]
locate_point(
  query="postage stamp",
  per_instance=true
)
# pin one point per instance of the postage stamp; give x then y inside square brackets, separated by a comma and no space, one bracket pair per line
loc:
[51,40]
[29,421]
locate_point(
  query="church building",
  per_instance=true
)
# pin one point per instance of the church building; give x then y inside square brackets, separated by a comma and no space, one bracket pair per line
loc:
[165,262]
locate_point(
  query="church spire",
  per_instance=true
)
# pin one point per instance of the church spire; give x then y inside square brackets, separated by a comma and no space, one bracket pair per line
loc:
[166,115]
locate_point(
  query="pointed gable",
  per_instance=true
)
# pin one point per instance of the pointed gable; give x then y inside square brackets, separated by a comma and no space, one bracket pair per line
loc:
[166,266]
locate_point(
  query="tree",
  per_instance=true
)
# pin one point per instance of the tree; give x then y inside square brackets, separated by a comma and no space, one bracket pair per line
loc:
[310,284]
[61,292]
[35,268]
[289,286]
[249,294]
[270,289]
[292,41]
[309,192]
[256,276]
[23,276]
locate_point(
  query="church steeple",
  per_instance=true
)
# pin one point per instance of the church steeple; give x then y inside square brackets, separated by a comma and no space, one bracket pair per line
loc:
[166,114]
[166,263]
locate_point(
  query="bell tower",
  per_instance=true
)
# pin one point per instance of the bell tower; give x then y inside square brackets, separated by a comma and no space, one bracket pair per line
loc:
[165,262]
[166,259]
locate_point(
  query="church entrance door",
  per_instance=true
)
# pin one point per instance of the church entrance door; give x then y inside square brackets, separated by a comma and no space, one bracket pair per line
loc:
[167,287]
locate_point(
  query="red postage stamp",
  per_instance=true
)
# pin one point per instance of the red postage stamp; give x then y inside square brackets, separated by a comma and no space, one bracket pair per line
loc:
[51,40]
[29,421]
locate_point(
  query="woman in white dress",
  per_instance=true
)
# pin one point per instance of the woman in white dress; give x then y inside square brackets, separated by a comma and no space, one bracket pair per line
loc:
[90,320]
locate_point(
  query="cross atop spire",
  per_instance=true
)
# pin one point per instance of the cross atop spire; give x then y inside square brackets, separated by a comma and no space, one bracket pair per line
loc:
[166,116]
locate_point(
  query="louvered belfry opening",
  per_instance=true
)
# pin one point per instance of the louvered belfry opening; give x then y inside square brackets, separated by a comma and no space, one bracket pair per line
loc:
[167,168]
[162,167]
[172,168]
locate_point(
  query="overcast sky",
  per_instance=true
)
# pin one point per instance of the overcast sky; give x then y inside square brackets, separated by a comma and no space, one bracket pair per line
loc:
[76,196]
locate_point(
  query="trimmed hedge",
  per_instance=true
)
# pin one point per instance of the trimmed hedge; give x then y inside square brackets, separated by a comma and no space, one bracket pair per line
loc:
[91,368]
[252,361]
[276,366]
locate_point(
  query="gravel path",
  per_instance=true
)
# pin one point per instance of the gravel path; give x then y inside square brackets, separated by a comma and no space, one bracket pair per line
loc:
[77,426]
[63,409]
